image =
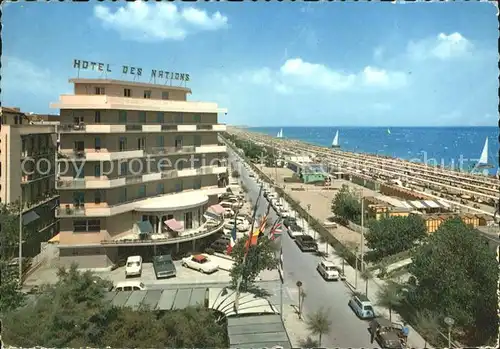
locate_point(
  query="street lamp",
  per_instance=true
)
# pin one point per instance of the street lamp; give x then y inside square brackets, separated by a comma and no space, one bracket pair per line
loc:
[449,322]
[299,286]
[309,220]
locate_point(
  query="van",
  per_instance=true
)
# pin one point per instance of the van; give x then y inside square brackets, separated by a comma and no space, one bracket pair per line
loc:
[362,306]
[129,286]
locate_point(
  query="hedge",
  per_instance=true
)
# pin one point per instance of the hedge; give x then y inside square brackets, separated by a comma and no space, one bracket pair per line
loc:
[349,257]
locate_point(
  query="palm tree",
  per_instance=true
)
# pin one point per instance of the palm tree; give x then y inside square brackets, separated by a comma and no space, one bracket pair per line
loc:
[324,240]
[309,343]
[366,275]
[426,323]
[344,253]
[389,297]
[319,323]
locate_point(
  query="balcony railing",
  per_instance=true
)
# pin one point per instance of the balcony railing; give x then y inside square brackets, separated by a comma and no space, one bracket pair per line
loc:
[74,183]
[170,150]
[80,127]
[129,127]
[71,211]
[133,179]
[207,229]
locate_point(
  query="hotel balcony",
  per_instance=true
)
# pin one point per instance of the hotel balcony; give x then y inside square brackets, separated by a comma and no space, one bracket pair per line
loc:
[103,102]
[138,203]
[91,154]
[137,128]
[208,228]
[107,183]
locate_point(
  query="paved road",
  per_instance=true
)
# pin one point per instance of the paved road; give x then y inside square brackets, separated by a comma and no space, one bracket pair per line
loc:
[347,330]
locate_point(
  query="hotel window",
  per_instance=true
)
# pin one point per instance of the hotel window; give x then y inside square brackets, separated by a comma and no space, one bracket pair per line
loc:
[178,118]
[127,92]
[141,143]
[77,120]
[188,220]
[179,187]
[97,142]
[122,145]
[197,141]
[142,117]
[122,117]
[147,94]
[160,188]
[160,141]
[197,183]
[97,197]
[160,117]
[164,95]
[97,170]
[99,91]
[180,164]
[97,117]
[91,225]
[123,195]
[178,142]
[142,191]
[123,169]
[78,198]
[197,118]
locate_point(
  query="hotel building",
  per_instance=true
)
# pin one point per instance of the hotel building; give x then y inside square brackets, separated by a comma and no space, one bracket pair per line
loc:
[27,174]
[139,165]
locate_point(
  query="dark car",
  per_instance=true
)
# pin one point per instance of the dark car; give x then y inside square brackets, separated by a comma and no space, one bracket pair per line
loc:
[306,243]
[220,245]
[288,221]
[164,266]
[387,334]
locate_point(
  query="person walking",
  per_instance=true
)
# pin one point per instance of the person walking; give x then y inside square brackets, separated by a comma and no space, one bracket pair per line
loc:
[406,332]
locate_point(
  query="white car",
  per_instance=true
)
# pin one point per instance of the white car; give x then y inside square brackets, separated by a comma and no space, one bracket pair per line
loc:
[284,213]
[133,267]
[129,286]
[328,270]
[200,262]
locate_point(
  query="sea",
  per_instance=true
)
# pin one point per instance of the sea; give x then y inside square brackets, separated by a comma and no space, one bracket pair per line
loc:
[457,148]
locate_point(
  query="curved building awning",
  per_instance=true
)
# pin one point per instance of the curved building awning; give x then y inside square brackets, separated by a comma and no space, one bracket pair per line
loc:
[173,202]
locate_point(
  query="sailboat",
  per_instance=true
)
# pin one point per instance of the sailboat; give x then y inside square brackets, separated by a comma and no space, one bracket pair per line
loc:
[483,160]
[335,142]
[280,134]
[388,131]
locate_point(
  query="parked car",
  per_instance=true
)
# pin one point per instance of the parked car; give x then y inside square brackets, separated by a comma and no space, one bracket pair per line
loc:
[362,306]
[129,286]
[388,334]
[133,267]
[200,262]
[164,266]
[295,230]
[306,243]
[287,221]
[220,245]
[284,213]
[328,271]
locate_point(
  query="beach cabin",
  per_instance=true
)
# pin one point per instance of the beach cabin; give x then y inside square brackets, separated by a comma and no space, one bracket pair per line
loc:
[314,177]
[485,220]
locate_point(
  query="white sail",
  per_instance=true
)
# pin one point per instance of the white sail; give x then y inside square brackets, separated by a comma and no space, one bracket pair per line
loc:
[483,160]
[280,134]
[335,142]
[388,131]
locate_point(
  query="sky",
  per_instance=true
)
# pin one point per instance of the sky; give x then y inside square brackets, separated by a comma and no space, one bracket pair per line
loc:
[271,64]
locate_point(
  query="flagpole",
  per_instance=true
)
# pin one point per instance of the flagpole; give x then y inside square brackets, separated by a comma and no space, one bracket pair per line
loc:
[240,279]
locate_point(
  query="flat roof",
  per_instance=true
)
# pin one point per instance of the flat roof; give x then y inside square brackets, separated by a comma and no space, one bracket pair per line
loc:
[257,331]
[127,83]
[172,202]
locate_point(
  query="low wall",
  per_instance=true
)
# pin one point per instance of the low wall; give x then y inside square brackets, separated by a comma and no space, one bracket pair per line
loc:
[346,254]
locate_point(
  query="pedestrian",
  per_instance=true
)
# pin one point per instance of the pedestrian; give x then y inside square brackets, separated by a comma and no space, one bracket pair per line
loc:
[406,332]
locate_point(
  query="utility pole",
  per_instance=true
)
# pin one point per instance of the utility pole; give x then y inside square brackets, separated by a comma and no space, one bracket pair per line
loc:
[362,247]
[20,262]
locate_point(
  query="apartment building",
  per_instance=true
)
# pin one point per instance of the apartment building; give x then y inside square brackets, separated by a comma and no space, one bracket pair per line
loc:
[27,174]
[139,165]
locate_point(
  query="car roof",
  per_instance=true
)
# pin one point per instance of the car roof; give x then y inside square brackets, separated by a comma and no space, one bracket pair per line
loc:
[362,298]
[199,257]
[128,283]
[134,259]
[165,257]
[328,263]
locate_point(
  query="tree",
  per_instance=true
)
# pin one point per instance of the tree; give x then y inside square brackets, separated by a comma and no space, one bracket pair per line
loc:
[457,276]
[309,343]
[318,323]
[345,252]
[390,297]
[11,295]
[366,275]
[324,240]
[260,257]
[346,205]
[426,324]
[391,235]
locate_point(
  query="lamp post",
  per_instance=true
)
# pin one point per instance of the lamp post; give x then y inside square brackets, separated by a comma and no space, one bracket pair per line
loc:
[362,247]
[449,322]
[20,241]
[309,220]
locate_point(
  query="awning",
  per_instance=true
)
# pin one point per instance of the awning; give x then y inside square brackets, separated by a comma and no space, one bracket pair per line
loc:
[217,209]
[29,217]
[144,227]
[174,225]
[55,239]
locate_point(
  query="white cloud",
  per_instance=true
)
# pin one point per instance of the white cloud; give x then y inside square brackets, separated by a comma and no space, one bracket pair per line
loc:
[162,21]
[297,74]
[442,47]
[378,53]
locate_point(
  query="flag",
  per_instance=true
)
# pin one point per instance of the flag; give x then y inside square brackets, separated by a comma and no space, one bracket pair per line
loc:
[232,241]
[253,238]
[275,230]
